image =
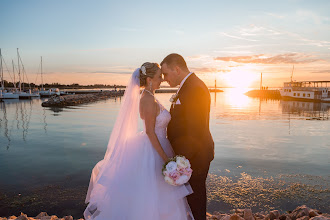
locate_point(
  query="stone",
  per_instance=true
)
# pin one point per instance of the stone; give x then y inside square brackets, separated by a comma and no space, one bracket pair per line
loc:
[275,214]
[320,217]
[284,217]
[41,214]
[69,217]
[235,217]
[313,213]
[47,218]
[299,212]
[267,217]
[22,217]
[226,217]
[248,214]
[216,213]
[303,218]
[12,217]
[259,216]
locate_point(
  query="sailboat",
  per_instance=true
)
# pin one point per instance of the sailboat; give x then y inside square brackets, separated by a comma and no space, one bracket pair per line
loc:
[4,94]
[22,94]
[50,92]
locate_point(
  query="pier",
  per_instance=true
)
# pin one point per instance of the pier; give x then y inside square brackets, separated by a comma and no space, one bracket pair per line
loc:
[77,99]
[266,94]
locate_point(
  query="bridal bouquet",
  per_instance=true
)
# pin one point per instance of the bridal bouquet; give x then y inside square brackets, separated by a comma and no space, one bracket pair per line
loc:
[177,171]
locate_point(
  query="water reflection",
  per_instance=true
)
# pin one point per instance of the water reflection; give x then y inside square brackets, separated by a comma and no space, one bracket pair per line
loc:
[236,98]
[307,110]
[232,104]
[15,117]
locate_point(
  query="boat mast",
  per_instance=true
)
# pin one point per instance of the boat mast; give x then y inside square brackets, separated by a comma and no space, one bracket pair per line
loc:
[19,72]
[42,80]
[12,61]
[1,68]
[261,82]
[292,72]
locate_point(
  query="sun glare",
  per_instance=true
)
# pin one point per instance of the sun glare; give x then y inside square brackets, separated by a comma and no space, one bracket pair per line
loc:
[240,78]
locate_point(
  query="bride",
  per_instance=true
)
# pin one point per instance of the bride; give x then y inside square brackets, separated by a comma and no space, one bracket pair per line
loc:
[128,182]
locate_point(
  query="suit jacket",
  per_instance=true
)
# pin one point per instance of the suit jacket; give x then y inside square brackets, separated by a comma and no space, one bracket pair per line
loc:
[188,131]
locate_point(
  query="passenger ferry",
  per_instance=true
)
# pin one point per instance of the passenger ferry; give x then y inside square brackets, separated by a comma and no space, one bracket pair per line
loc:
[312,91]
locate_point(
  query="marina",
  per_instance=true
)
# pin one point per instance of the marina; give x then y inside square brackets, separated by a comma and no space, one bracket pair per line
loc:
[268,153]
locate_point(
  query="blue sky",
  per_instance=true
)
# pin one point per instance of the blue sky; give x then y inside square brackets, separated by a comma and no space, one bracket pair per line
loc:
[90,42]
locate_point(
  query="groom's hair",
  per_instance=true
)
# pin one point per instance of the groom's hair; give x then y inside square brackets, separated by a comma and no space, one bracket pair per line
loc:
[175,59]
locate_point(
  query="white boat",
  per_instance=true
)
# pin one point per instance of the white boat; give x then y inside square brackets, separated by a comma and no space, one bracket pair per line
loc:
[8,95]
[4,94]
[312,91]
[50,92]
[27,95]
[22,94]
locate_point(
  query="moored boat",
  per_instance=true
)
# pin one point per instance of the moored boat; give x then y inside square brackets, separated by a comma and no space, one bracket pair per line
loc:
[312,91]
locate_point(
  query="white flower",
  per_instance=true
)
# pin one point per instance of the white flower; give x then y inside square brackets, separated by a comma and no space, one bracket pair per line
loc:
[143,70]
[174,97]
[169,180]
[182,180]
[182,162]
[171,166]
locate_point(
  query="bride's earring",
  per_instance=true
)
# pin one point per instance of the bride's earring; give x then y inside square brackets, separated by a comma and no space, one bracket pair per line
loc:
[150,86]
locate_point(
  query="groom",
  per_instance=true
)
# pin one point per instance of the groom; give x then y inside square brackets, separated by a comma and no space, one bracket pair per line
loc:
[188,130]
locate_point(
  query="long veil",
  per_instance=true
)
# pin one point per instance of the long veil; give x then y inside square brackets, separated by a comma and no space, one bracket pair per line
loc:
[126,126]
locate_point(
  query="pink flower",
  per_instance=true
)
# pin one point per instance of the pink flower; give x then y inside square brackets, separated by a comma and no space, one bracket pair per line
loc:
[175,175]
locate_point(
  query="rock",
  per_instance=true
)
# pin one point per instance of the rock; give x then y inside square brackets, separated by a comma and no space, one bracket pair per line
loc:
[41,214]
[235,217]
[226,217]
[53,217]
[303,218]
[320,217]
[313,213]
[275,214]
[299,212]
[208,215]
[284,217]
[12,217]
[267,217]
[69,217]
[22,217]
[259,215]
[248,214]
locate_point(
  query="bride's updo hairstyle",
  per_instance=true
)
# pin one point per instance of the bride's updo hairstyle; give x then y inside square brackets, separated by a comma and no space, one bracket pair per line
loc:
[147,70]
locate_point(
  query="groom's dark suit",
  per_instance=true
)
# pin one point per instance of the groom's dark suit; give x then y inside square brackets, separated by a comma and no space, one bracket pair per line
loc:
[189,134]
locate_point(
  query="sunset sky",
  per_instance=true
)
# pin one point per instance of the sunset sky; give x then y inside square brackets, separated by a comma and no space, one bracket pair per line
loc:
[102,41]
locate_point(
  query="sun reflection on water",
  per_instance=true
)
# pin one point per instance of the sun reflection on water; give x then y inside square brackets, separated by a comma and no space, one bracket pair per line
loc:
[235,97]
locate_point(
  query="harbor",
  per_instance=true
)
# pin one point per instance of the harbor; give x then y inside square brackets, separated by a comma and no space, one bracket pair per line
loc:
[49,152]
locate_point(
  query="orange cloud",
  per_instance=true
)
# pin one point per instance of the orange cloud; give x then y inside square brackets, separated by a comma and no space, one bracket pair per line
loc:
[289,58]
[208,70]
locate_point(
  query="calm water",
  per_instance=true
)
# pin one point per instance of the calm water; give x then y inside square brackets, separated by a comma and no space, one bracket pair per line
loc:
[268,154]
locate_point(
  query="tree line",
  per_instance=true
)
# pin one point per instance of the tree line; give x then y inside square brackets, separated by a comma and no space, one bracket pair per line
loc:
[60,86]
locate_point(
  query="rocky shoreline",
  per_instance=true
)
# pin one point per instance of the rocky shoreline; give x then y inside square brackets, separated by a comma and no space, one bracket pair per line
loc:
[72,100]
[300,213]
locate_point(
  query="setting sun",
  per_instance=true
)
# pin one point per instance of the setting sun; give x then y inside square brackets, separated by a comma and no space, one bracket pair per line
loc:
[240,78]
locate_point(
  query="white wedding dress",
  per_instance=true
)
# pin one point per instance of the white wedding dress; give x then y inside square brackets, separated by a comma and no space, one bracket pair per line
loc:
[134,187]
